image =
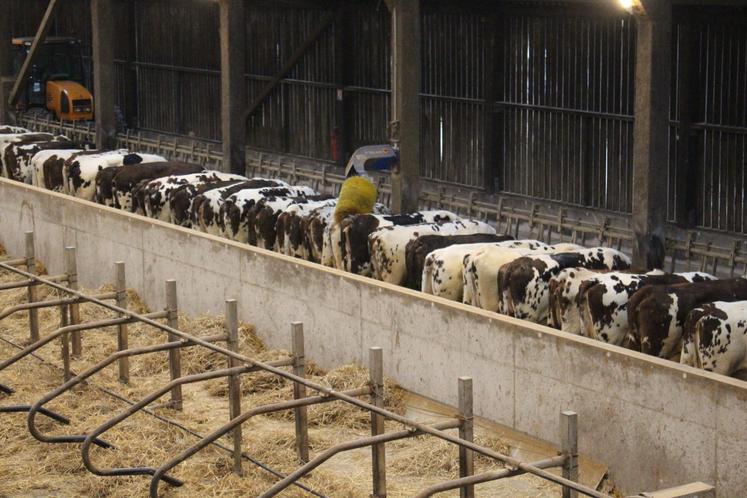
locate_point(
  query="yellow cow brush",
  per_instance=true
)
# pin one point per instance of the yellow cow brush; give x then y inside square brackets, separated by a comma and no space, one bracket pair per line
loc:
[357,196]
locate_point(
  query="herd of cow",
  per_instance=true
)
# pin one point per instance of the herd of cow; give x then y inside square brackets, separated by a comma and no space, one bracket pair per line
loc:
[693,317]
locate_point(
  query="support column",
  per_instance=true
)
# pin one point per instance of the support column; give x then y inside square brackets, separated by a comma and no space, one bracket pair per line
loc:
[6,35]
[233,85]
[104,24]
[6,63]
[651,131]
[406,109]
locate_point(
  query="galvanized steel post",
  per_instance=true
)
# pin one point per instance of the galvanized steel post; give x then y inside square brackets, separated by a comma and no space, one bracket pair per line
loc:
[466,432]
[175,355]
[122,338]
[299,391]
[378,452]
[234,381]
[569,447]
[31,292]
[71,270]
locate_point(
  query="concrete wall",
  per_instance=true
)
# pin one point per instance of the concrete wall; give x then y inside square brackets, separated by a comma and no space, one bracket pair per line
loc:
[655,423]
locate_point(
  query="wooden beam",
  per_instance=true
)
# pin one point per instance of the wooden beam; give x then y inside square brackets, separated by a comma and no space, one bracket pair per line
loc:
[104,24]
[233,85]
[406,108]
[41,35]
[326,21]
[651,133]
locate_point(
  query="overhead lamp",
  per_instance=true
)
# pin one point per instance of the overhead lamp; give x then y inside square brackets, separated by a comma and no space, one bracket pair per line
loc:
[634,7]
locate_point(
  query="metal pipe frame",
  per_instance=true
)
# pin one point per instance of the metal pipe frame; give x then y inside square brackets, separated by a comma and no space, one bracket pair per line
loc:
[132,410]
[71,328]
[487,477]
[47,304]
[39,405]
[353,445]
[238,421]
[324,390]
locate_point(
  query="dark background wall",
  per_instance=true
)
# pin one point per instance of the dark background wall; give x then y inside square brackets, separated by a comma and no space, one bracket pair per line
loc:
[532,99]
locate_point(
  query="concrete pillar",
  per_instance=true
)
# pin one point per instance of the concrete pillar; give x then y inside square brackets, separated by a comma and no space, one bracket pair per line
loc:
[651,131]
[406,109]
[104,25]
[233,85]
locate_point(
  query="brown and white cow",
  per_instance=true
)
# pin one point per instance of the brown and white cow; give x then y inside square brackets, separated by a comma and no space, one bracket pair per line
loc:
[418,250]
[348,241]
[480,269]
[388,245]
[715,338]
[564,289]
[657,313]
[293,227]
[524,283]
[48,166]
[18,156]
[19,138]
[80,170]
[602,303]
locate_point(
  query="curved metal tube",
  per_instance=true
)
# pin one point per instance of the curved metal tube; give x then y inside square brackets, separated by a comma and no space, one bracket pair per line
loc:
[64,330]
[37,305]
[38,407]
[347,446]
[487,477]
[24,408]
[135,471]
[244,417]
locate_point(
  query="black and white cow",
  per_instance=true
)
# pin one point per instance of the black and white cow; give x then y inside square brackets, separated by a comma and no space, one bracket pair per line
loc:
[388,245]
[170,198]
[18,156]
[480,269]
[237,217]
[348,241]
[293,227]
[418,250]
[80,170]
[262,218]
[715,338]
[12,130]
[657,313]
[180,199]
[602,303]
[524,283]
[48,166]
[125,178]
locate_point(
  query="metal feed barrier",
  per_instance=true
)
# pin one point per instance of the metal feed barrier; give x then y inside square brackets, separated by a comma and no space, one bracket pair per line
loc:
[237,365]
[543,220]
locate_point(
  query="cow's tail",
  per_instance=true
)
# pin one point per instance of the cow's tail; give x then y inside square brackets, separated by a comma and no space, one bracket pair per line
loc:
[587,321]
[695,344]
[426,284]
